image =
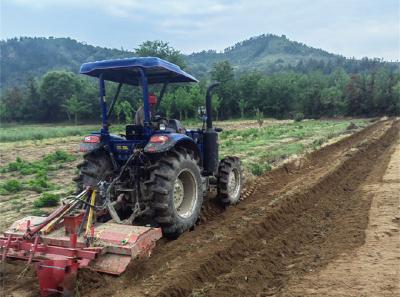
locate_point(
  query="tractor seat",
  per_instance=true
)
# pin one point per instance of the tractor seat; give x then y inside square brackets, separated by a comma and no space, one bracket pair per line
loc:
[176,126]
[134,132]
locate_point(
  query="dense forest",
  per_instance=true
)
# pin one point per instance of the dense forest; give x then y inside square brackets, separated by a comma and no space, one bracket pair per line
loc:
[302,82]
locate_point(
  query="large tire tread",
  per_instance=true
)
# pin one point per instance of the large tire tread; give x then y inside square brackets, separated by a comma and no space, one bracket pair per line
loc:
[160,189]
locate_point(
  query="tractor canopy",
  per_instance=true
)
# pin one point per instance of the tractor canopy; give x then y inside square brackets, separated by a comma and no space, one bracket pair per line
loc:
[127,71]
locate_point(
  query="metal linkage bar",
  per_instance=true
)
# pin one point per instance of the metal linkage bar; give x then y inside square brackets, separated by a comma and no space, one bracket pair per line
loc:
[19,244]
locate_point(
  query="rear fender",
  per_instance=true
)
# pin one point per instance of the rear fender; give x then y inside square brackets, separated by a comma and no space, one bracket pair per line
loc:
[90,143]
[156,145]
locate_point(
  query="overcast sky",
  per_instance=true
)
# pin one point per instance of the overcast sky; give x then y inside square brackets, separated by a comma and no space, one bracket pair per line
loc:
[349,27]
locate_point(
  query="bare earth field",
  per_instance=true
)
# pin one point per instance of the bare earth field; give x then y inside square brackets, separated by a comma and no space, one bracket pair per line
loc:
[326,224]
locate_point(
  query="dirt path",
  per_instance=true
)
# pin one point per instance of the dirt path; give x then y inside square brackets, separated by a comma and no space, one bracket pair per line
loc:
[296,222]
[374,268]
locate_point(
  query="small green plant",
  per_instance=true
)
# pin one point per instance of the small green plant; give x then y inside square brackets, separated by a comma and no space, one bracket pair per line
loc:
[40,184]
[40,167]
[318,142]
[11,186]
[259,169]
[259,117]
[47,200]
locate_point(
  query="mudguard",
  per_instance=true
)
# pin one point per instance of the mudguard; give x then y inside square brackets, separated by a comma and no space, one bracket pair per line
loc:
[160,143]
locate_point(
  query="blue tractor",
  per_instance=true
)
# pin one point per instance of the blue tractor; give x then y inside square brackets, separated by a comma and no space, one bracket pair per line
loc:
[157,172]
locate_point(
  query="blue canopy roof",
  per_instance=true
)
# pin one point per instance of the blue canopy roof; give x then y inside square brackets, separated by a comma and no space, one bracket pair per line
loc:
[127,70]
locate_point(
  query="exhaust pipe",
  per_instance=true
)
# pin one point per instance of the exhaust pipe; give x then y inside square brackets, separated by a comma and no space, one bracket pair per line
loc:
[210,138]
[208,104]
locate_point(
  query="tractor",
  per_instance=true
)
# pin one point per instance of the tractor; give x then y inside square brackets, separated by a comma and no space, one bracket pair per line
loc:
[132,189]
[158,172]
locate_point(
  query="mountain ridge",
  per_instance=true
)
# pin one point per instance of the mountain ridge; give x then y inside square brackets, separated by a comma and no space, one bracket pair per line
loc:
[25,57]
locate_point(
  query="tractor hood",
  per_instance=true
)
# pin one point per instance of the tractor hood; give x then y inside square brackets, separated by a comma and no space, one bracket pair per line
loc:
[126,71]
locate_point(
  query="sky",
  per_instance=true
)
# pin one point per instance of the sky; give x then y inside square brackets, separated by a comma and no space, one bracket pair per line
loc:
[353,28]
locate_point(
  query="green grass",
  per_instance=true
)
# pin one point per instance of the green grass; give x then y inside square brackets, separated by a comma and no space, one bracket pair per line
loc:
[11,186]
[13,133]
[39,132]
[38,169]
[259,148]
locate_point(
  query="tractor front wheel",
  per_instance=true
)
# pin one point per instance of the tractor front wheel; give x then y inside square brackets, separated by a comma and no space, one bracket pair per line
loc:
[230,180]
[175,187]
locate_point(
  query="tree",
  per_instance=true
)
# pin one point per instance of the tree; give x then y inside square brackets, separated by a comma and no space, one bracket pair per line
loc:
[125,109]
[75,107]
[12,103]
[160,49]
[56,88]
[395,109]
[247,86]
[332,105]
[223,73]
[183,102]
[242,106]
[32,110]
[167,104]
[215,105]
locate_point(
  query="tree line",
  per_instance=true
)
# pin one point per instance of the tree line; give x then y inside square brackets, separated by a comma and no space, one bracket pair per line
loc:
[64,96]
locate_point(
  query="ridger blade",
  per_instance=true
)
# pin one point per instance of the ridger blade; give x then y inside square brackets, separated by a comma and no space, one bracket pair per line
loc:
[109,249]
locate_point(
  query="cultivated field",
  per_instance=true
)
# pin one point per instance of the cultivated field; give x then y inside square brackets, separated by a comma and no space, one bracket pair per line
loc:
[38,162]
[319,215]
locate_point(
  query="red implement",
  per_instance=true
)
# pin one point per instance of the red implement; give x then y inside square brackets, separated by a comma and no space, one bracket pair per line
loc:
[109,249]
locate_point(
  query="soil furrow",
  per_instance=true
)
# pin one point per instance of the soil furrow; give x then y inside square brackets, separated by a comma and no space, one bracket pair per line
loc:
[258,229]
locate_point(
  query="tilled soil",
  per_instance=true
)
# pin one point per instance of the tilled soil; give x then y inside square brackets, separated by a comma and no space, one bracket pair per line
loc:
[294,221]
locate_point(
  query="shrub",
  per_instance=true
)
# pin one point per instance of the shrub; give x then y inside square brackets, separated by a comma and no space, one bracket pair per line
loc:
[12,186]
[47,200]
[40,184]
[259,117]
[298,117]
[58,156]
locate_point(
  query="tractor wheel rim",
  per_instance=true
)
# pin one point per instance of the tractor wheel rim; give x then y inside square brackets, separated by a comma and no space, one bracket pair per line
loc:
[234,183]
[185,193]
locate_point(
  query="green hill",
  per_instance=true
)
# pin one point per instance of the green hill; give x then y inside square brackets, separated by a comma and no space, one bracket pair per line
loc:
[21,58]
[262,52]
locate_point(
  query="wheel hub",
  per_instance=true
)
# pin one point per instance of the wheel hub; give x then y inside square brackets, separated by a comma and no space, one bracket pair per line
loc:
[233,183]
[185,193]
[178,193]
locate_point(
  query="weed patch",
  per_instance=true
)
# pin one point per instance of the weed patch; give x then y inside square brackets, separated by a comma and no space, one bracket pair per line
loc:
[39,169]
[47,200]
[11,186]
[258,169]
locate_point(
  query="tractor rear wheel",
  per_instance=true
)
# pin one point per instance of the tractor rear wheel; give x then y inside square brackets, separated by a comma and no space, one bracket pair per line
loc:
[175,188]
[230,180]
[96,166]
